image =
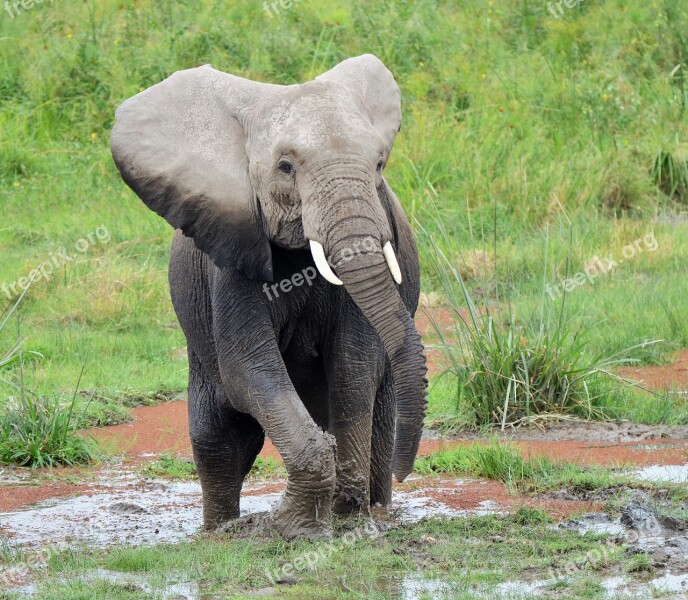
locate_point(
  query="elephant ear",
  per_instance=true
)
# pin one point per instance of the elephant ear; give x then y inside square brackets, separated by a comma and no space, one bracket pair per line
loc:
[377,91]
[180,146]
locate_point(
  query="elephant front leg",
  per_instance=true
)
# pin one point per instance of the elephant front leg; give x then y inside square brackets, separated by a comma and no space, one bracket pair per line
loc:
[353,375]
[259,385]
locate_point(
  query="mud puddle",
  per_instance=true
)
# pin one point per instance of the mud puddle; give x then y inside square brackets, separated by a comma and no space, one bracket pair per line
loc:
[121,508]
[663,474]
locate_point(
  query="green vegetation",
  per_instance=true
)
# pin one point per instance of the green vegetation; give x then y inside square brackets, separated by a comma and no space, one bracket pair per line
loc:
[503,462]
[36,431]
[174,467]
[540,142]
[461,556]
[509,371]
[171,467]
[267,468]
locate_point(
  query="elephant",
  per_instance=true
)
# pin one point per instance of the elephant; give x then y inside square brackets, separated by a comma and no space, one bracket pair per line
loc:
[294,276]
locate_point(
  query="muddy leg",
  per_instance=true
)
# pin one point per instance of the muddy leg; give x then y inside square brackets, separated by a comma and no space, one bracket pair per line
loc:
[225,444]
[353,383]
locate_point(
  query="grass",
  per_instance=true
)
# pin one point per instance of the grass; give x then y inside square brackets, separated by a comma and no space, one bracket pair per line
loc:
[503,462]
[509,371]
[171,467]
[519,128]
[463,555]
[37,431]
[175,467]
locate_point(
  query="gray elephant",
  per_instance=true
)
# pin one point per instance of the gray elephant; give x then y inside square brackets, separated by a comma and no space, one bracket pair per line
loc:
[264,184]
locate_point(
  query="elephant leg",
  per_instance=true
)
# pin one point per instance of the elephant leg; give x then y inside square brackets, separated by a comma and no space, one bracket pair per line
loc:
[353,380]
[254,373]
[225,444]
[382,445]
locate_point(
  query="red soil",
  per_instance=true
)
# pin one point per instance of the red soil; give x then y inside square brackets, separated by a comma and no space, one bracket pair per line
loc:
[13,497]
[666,377]
[620,454]
[164,428]
[469,497]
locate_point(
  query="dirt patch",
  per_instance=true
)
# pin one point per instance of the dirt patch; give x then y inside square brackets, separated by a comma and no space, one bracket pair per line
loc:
[441,315]
[485,496]
[13,497]
[587,431]
[155,429]
[164,428]
[673,376]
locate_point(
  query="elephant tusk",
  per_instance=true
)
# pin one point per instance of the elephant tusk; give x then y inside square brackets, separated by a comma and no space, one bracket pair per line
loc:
[392,263]
[321,263]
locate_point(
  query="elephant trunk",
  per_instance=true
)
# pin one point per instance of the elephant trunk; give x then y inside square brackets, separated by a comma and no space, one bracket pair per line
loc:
[353,246]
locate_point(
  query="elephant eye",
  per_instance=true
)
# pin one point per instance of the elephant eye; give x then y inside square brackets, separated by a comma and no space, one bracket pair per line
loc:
[285,167]
[380,165]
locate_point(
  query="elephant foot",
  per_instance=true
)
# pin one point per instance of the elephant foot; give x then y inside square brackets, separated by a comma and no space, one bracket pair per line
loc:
[248,524]
[308,517]
[352,498]
[305,509]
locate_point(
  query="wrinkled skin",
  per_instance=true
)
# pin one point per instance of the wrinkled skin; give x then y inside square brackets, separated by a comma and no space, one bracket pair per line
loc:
[251,175]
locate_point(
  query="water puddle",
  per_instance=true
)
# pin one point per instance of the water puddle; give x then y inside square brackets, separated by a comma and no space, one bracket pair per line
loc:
[154,512]
[419,504]
[521,589]
[662,473]
[132,582]
[141,512]
[671,583]
[415,587]
[593,523]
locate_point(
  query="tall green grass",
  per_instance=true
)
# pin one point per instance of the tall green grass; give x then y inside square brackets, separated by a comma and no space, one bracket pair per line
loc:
[510,116]
[36,431]
[510,372]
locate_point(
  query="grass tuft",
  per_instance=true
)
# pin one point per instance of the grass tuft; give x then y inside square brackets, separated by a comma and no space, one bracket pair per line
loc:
[511,372]
[503,462]
[36,431]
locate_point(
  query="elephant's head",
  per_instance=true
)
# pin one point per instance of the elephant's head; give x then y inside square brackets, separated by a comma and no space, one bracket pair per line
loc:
[238,165]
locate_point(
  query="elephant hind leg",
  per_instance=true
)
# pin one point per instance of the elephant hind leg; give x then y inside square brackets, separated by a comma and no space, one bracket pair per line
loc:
[225,445]
[382,443]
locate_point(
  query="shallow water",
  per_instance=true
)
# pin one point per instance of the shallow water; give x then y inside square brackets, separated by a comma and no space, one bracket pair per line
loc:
[138,512]
[663,473]
[154,512]
[415,587]
[671,583]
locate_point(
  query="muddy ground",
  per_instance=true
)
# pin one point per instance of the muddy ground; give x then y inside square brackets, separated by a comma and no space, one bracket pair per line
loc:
[115,502]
